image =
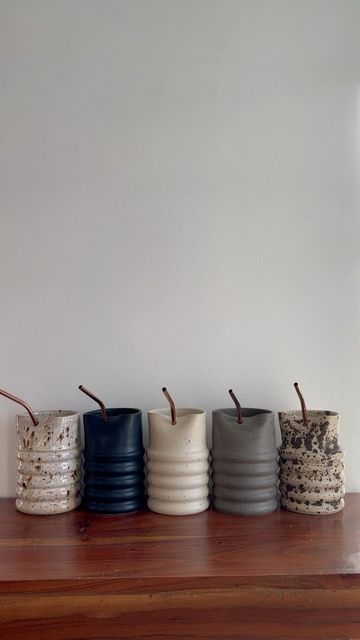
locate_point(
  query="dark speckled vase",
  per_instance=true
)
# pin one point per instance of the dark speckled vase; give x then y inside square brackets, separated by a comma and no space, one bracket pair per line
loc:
[244,462]
[114,461]
[311,463]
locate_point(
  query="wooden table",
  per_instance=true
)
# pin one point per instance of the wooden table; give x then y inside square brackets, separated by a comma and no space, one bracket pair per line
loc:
[83,575]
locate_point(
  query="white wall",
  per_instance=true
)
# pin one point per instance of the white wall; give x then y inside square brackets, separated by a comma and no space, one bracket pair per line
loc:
[180,205]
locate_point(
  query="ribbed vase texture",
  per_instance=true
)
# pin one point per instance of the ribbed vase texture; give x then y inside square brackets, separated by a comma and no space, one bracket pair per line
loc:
[114,461]
[50,464]
[244,462]
[178,462]
[311,463]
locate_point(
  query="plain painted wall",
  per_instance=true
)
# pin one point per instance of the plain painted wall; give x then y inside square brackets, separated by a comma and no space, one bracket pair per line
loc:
[180,206]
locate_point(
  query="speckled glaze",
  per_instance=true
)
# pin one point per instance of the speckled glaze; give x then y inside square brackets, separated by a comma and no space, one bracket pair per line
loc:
[49,469]
[178,462]
[311,463]
[244,462]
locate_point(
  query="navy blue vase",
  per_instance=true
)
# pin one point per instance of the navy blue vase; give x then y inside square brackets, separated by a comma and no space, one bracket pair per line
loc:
[114,461]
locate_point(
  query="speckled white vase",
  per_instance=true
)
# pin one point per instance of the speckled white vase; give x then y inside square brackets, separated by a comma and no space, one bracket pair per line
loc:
[311,463]
[50,463]
[178,462]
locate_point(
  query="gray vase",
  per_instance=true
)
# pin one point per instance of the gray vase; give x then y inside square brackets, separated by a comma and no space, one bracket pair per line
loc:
[311,463]
[244,462]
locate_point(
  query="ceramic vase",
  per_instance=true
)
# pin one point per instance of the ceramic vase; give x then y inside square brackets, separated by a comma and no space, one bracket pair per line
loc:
[178,462]
[311,463]
[50,463]
[244,462]
[114,461]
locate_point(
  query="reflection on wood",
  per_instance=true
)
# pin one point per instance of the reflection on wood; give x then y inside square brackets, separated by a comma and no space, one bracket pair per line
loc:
[211,575]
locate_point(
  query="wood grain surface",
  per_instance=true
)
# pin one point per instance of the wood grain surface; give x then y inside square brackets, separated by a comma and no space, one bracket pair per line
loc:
[211,575]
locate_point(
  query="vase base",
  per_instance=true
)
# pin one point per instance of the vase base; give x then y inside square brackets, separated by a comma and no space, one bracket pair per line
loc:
[316,509]
[177,509]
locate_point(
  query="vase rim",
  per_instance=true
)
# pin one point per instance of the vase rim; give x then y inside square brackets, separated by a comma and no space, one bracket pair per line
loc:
[180,412]
[114,412]
[252,412]
[51,413]
[312,413]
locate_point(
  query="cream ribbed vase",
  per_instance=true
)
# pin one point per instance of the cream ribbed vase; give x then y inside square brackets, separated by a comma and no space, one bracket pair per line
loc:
[311,463]
[178,462]
[50,464]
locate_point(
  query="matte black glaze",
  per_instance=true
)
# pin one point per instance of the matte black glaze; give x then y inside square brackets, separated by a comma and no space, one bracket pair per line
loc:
[114,461]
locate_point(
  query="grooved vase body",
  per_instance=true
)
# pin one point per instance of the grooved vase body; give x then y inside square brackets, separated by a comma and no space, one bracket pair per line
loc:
[114,461]
[244,462]
[311,463]
[178,462]
[50,463]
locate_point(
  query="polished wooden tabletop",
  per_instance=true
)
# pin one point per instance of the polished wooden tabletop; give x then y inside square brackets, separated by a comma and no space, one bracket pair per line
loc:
[81,544]
[180,577]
